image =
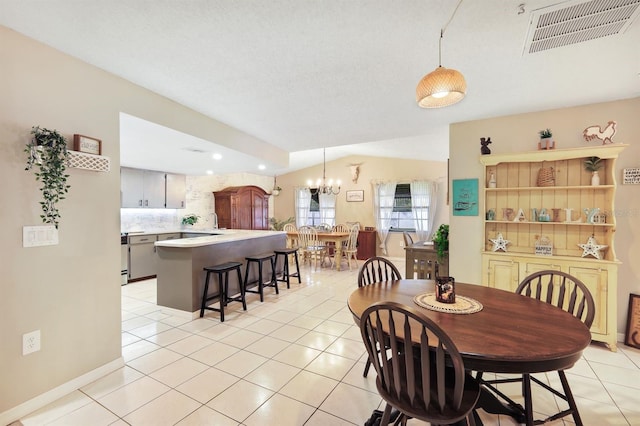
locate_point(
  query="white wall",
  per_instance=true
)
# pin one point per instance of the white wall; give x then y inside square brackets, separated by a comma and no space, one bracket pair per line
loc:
[71,291]
[518,133]
[371,169]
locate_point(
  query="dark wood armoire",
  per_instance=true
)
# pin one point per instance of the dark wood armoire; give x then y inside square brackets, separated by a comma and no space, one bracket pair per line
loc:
[242,207]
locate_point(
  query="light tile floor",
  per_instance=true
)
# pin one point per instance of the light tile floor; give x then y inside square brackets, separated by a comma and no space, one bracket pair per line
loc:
[296,359]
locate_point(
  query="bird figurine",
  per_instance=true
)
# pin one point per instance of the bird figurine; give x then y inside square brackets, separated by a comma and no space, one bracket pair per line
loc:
[596,132]
[484,146]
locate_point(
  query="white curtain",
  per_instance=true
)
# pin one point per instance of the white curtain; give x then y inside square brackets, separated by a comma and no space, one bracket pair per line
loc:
[303,206]
[383,197]
[423,206]
[327,208]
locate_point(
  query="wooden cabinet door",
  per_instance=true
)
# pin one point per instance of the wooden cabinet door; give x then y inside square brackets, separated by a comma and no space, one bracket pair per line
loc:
[131,187]
[596,281]
[503,274]
[154,183]
[176,190]
[260,210]
[244,210]
[366,244]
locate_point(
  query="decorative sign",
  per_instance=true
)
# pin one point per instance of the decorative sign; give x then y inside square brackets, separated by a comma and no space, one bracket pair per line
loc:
[632,333]
[87,144]
[544,247]
[465,197]
[356,196]
[631,176]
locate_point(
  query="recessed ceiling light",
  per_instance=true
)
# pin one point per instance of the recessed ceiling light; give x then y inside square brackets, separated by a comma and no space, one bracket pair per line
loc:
[216,156]
[209,172]
[262,166]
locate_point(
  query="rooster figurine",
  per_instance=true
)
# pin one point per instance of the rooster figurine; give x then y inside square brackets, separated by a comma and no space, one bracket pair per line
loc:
[595,132]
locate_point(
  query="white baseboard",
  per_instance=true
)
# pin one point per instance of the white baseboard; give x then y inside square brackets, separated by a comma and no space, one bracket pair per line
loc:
[16,413]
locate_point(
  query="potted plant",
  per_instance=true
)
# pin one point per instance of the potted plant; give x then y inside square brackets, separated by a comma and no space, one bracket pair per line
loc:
[441,241]
[593,164]
[48,152]
[277,225]
[546,139]
[190,219]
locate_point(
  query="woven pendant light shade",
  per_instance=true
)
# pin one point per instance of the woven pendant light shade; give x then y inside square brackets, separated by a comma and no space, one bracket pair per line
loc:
[440,88]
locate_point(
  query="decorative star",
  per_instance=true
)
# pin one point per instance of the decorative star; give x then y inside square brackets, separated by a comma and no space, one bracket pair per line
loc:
[592,248]
[500,243]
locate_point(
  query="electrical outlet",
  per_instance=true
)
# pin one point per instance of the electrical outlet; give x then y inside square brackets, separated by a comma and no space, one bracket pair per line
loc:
[401,243]
[31,342]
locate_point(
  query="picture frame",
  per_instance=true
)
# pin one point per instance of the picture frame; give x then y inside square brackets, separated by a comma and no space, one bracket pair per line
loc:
[632,331]
[87,144]
[355,196]
[465,197]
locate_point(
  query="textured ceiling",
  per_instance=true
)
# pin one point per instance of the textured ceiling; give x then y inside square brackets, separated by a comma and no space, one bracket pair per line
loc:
[302,74]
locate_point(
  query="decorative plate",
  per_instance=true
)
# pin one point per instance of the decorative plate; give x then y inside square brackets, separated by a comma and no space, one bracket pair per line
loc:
[463,305]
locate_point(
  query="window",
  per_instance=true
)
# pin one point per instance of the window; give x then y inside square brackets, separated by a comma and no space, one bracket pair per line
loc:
[314,209]
[314,212]
[402,218]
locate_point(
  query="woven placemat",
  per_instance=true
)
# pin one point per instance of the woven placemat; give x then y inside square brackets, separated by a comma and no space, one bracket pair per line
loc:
[463,305]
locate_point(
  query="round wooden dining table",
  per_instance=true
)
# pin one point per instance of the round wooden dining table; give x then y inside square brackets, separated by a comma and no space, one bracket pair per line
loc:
[511,334]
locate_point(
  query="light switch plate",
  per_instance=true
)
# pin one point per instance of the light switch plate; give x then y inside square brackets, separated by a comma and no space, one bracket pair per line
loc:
[36,236]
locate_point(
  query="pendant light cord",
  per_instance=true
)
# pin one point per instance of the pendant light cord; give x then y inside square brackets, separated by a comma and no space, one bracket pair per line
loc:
[443,30]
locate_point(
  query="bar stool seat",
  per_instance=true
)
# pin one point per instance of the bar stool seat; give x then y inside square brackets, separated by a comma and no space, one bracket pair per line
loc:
[222,270]
[260,259]
[286,275]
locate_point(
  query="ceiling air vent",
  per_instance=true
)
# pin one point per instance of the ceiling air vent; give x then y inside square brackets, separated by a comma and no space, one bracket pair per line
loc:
[577,21]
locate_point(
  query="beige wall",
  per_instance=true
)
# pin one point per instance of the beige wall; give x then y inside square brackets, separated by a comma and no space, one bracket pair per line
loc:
[70,291]
[371,169]
[519,133]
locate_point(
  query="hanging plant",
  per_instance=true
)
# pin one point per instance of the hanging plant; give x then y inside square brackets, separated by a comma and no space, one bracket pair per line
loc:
[47,151]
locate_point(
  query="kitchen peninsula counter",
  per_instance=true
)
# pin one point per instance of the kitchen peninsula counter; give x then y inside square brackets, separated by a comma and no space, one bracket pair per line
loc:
[180,263]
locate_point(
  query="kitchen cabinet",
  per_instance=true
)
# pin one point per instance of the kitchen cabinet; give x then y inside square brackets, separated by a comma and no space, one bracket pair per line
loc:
[142,257]
[509,202]
[151,189]
[242,207]
[176,190]
[366,244]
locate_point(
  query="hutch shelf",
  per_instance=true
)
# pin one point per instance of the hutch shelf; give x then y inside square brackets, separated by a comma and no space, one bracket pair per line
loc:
[514,206]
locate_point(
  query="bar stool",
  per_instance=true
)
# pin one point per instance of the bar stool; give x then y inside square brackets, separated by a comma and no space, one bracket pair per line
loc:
[220,270]
[285,266]
[260,259]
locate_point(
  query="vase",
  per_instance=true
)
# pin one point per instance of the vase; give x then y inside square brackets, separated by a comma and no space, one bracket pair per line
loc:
[595,178]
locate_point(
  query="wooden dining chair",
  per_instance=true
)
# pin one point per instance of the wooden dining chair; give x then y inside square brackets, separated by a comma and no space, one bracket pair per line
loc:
[571,295]
[376,269]
[291,242]
[424,377]
[350,249]
[408,239]
[310,246]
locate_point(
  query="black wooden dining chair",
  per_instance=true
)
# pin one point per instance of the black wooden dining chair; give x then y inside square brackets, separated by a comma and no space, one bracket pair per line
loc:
[376,269]
[424,377]
[571,295]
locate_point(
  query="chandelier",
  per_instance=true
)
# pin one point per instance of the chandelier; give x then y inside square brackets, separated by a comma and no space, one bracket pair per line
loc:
[322,186]
[443,86]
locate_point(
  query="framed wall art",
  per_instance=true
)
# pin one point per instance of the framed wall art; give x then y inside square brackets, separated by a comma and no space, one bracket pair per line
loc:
[465,197]
[87,144]
[355,196]
[632,332]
